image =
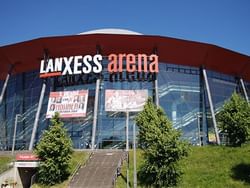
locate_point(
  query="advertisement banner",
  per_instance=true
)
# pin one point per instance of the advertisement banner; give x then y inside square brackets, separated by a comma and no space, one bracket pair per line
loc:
[69,104]
[125,100]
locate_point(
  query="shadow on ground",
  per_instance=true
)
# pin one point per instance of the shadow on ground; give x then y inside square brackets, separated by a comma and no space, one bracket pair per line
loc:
[241,172]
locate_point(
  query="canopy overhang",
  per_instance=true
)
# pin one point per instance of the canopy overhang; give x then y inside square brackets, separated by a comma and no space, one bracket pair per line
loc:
[26,56]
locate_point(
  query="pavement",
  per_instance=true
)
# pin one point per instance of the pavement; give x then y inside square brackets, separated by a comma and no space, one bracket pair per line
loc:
[100,170]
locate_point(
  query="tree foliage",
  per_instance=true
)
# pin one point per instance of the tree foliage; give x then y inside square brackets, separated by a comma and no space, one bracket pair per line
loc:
[54,150]
[162,148]
[234,120]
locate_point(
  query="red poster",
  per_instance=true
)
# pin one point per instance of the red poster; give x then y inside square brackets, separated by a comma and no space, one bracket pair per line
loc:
[69,104]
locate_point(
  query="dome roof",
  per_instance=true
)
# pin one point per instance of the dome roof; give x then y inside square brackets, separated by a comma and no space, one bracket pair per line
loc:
[111,31]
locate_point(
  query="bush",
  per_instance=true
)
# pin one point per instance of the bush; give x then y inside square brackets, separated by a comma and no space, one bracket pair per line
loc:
[234,120]
[162,148]
[54,150]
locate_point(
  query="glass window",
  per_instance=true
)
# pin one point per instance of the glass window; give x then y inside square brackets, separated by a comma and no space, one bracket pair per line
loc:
[179,94]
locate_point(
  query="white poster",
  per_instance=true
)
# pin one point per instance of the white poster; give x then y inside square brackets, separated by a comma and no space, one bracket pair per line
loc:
[125,100]
[69,104]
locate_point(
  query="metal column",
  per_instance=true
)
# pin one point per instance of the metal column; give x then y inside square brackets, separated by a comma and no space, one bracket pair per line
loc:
[95,113]
[156,91]
[155,50]
[14,135]
[32,139]
[211,105]
[4,87]
[127,130]
[244,89]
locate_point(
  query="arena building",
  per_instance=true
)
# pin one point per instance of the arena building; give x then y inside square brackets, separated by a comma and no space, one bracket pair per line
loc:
[99,80]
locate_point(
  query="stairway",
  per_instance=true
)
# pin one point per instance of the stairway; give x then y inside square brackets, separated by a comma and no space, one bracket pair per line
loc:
[100,171]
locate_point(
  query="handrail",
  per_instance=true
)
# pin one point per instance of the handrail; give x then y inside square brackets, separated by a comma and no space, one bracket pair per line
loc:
[118,169]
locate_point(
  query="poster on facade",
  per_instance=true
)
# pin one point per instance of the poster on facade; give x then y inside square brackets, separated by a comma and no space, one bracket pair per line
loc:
[69,104]
[125,100]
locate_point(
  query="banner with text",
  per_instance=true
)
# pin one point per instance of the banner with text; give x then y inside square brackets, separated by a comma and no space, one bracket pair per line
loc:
[69,104]
[125,100]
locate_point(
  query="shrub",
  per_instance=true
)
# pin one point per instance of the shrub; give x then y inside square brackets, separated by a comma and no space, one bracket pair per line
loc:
[234,120]
[54,150]
[162,148]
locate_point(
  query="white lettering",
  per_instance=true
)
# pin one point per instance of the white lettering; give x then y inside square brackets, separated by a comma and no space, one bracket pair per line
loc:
[58,64]
[67,68]
[50,66]
[77,64]
[42,67]
[86,60]
[98,62]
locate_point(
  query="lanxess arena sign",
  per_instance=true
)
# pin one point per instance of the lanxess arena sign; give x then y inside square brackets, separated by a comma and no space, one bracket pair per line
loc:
[117,63]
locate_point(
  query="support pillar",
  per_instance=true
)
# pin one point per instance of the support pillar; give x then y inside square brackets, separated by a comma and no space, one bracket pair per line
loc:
[211,105]
[203,113]
[244,89]
[14,135]
[5,84]
[32,139]
[155,51]
[95,114]
[97,91]
[156,91]
[174,112]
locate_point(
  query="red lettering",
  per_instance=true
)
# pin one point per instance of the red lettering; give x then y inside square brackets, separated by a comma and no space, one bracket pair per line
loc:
[112,66]
[130,60]
[153,66]
[121,56]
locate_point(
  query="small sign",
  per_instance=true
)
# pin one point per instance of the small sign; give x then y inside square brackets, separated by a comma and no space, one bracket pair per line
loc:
[26,157]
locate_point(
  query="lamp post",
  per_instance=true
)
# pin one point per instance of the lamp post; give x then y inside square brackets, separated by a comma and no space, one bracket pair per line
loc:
[134,152]
[127,145]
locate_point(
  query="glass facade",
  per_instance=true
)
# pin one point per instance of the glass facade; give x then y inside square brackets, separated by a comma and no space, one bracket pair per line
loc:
[179,95]
[247,85]
[181,92]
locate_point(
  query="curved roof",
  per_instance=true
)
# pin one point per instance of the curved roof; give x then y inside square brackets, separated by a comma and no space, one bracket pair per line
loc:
[26,55]
[111,31]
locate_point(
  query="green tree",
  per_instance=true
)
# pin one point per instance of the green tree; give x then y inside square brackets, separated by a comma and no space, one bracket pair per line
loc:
[54,150]
[162,148]
[234,120]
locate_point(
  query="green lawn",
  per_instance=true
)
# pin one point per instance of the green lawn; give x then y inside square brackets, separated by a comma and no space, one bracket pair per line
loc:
[76,158]
[4,162]
[208,167]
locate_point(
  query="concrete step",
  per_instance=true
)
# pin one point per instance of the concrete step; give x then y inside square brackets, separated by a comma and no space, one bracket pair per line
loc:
[100,171]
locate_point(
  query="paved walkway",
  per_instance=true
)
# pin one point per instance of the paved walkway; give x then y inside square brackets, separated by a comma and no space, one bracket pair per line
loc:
[100,171]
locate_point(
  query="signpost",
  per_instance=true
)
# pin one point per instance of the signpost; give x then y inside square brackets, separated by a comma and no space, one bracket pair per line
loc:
[134,152]
[127,146]
[127,101]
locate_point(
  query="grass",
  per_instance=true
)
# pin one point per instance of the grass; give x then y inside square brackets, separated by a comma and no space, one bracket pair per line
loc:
[207,167]
[76,158]
[4,163]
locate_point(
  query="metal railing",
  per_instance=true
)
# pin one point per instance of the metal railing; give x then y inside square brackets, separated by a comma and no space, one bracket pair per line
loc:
[118,168]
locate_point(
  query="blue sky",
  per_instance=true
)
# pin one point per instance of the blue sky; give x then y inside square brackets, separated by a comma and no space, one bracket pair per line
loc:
[222,22]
